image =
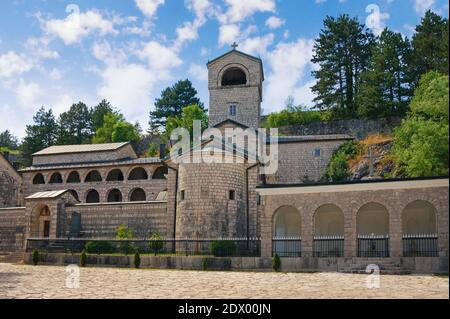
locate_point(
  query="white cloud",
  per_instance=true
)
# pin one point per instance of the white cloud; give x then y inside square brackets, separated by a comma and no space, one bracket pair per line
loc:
[238,10]
[55,74]
[38,47]
[128,87]
[257,45]
[289,64]
[421,6]
[159,57]
[228,33]
[274,22]
[27,93]
[320,1]
[199,72]
[13,64]
[188,31]
[149,7]
[77,26]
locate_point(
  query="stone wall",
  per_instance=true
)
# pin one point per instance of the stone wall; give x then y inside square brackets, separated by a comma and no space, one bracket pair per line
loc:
[102,220]
[10,185]
[297,162]
[357,128]
[12,228]
[207,211]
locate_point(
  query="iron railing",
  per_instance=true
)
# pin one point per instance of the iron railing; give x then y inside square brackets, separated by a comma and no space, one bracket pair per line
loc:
[420,245]
[287,246]
[373,245]
[222,247]
[328,246]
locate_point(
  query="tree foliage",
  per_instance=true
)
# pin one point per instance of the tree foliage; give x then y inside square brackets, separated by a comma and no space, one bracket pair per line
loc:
[115,129]
[75,125]
[422,142]
[186,120]
[338,169]
[172,101]
[8,140]
[385,88]
[430,46]
[342,52]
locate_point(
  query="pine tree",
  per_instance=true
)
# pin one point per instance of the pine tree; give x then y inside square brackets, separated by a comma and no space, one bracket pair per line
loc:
[385,89]
[342,53]
[41,134]
[98,113]
[75,125]
[430,47]
[172,101]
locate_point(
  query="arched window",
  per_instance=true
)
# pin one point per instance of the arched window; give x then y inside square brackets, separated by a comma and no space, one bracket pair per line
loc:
[114,196]
[73,177]
[93,176]
[56,178]
[74,194]
[329,221]
[137,173]
[287,222]
[160,173]
[419,217]
[373,219]
[38,179]
[138,195]
[234,76]
[114,176]
[92,197]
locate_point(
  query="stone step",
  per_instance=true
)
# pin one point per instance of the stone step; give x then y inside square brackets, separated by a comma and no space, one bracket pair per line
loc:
[12,258]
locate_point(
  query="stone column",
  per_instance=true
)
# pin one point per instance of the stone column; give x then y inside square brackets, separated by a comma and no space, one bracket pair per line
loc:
[266,229]
[395,231]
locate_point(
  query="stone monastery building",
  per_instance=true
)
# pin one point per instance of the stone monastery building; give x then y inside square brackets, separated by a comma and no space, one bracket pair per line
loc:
[87,191]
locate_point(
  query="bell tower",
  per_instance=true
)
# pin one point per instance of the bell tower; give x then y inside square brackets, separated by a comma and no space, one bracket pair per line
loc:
[235,88]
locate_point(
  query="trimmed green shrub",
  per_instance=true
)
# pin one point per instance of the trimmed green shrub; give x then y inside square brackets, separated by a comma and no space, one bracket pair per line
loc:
[223,248]
[99,247]
[83,259]
[156,243]
[276,263]
[204,264]
[35,257]
[137,260]
[338,169]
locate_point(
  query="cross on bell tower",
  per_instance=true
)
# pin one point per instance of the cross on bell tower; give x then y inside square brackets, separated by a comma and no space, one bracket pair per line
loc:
[234,45]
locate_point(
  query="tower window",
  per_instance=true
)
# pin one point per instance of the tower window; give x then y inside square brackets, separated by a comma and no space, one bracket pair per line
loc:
[234,76]
[182,195]
[232,109]
[232,195]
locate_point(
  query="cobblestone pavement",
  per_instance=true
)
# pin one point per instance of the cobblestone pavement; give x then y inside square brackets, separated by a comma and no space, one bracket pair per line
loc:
[20,281]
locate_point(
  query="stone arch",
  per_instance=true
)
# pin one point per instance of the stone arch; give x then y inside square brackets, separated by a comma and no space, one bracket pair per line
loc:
[56,178]
[137,173]
[92,196]
[328,221]
[160,173]
[233,75]
[287,222]
[372,218]
[115,175]
[114,196]
[93,176]
[419,217]
[137,195]
[73,178]
[38,179]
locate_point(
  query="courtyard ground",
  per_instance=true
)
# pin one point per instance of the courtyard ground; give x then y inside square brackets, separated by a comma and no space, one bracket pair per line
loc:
[21,281]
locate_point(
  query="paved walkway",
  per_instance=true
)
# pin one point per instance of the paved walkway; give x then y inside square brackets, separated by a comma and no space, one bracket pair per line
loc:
[19,281]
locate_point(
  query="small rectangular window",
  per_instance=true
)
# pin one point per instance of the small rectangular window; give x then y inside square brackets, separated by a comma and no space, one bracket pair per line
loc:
[204,192]
[182,195]
[317,152]
[233,110]
[231,195]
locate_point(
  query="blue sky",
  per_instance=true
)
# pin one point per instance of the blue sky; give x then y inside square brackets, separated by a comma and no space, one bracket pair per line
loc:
[55,53]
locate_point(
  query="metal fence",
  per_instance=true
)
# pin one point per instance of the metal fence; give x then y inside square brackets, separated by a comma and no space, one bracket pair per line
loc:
[328,246]
[223,247]
[373,245]
[420,245]
[287,246]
